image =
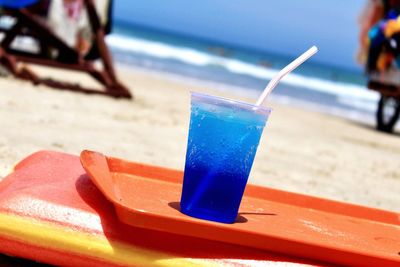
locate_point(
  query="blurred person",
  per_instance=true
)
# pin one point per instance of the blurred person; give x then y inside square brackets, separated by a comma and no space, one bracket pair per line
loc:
[380,35]
[69,21]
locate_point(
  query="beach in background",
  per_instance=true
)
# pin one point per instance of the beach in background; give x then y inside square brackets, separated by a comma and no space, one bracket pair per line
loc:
[301,150]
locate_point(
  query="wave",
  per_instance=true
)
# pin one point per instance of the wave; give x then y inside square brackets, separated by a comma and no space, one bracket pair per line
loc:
[194,57]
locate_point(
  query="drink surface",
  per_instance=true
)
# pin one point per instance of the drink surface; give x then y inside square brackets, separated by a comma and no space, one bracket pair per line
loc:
[222,143]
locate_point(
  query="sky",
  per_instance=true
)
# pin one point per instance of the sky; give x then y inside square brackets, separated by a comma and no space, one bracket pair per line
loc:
[286,27]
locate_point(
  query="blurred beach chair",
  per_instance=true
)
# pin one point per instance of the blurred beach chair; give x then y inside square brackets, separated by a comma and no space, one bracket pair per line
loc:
[66,34]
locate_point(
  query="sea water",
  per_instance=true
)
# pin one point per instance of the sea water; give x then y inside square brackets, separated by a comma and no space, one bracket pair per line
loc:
[223,140]
[312,86]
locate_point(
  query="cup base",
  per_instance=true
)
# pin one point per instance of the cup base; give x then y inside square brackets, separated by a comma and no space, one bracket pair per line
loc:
[209,216]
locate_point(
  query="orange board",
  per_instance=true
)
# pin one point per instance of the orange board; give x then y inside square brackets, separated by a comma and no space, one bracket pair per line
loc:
[51,212]
[148,197]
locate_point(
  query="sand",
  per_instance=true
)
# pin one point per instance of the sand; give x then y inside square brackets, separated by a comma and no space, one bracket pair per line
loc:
[300,151]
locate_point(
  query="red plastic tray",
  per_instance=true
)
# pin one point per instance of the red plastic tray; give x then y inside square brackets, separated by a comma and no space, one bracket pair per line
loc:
[148,197]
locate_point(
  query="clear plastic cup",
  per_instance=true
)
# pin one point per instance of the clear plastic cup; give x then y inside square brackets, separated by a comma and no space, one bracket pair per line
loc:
[223,138]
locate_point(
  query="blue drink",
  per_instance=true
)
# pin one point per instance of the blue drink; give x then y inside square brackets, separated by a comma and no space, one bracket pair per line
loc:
[222,143]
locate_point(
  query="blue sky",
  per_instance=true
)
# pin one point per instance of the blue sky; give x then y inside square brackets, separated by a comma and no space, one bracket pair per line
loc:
[286,27]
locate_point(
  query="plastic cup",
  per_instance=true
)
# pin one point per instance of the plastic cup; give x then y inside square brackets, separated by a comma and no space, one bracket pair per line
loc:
[223,138]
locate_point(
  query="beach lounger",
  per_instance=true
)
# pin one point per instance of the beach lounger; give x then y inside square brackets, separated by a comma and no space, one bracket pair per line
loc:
[52,212]
[45,32]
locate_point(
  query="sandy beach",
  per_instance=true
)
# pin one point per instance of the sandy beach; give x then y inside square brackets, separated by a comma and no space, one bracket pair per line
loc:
[300,151]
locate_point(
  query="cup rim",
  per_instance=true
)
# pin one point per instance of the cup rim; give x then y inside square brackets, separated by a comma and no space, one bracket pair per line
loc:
[231,101]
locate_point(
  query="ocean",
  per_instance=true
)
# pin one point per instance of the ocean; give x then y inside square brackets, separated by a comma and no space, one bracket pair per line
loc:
[312,86]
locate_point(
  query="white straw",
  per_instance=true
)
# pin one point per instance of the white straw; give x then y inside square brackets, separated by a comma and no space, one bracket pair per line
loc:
[294,64]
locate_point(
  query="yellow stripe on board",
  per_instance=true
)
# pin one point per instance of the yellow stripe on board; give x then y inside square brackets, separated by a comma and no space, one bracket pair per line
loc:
[37,233]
